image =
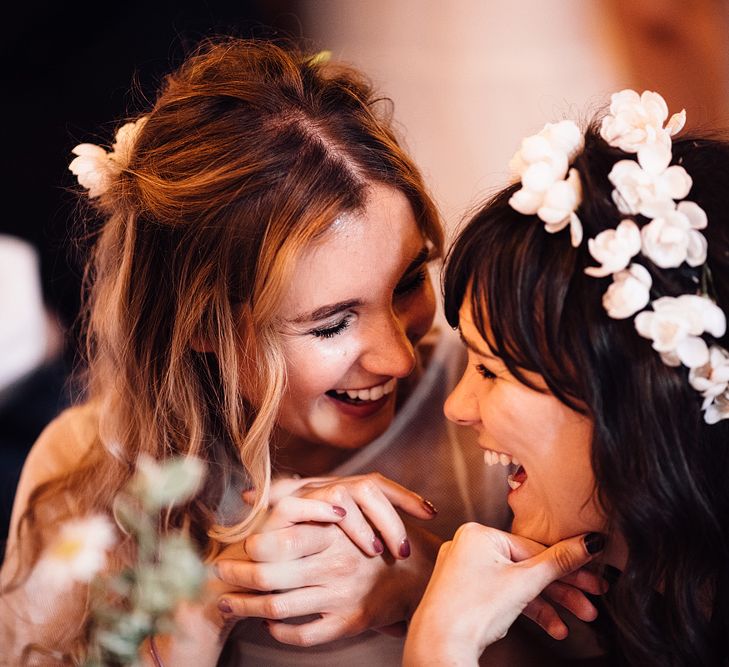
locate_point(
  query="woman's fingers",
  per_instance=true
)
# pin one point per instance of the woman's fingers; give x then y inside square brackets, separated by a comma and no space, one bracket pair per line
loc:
[380,514]
[291,510]
[264,577]
[571,599]
[561,559]
[587,581]
[286,544]
[544,615]
[325,629]
[274,606]
[396,494]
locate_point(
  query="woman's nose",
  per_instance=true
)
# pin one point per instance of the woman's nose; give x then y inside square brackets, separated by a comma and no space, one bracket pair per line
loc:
[461,406]
[391,352]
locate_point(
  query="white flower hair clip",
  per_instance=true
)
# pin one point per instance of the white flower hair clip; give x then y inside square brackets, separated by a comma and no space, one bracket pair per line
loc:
[549,188]
[95,168]
[653,188]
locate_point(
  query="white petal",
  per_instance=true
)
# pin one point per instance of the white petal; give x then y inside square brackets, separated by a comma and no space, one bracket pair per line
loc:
[535,149]
[90,150]
[693,351]
[525,201]
[695,214]
[575,230]
[697,247]
[676,122]
[644,323]
[654,158]
[714,319]
[678,181]
[539,177]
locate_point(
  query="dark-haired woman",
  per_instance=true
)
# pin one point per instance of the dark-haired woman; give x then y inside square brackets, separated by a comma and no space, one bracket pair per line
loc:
[592,298]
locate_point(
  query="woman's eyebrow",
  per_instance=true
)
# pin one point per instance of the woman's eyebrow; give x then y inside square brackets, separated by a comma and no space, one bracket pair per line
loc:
[323,312]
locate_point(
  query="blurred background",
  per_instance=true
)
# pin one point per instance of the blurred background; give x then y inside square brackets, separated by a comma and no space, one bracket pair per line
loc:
[468,79]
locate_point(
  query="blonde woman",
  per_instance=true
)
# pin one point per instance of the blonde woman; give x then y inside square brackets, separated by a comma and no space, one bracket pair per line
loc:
[258,297]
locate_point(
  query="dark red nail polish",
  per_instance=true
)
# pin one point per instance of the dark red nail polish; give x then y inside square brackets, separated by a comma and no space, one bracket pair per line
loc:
[340,511]
[404,548]
[377,545]
[224,606]
[429,507]
[594,542]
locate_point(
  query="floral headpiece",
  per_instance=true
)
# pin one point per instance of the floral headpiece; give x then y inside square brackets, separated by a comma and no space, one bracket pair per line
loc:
[95,168]
[654,189]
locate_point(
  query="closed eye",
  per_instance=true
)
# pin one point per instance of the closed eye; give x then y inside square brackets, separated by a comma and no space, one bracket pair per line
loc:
[485,372]
[330,332]
[411,283]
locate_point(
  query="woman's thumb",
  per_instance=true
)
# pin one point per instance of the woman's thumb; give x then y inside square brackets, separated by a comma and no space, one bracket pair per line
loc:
[564,557]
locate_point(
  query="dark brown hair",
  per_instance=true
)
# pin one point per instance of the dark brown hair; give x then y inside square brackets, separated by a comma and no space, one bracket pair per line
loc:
[660,469]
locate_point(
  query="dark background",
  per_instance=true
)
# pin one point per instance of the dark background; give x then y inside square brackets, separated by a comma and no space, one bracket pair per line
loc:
[70,72]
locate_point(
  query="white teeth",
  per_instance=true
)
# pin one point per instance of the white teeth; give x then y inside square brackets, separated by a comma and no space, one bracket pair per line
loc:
[371,394]
[512,482]
[492,457]
[377,393]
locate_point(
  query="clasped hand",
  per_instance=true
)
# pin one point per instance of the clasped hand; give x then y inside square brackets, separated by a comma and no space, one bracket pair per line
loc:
[335,548]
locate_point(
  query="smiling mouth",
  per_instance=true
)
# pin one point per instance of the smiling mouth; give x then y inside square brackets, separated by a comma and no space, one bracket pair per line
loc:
[360,396]
[515,479]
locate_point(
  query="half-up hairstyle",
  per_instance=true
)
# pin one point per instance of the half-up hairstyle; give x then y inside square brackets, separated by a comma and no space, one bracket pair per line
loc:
[249,152]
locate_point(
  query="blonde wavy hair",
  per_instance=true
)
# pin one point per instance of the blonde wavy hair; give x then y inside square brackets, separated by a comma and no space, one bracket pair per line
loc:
[250,152]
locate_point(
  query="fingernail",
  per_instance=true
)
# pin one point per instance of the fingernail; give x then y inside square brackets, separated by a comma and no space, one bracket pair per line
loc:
[224,606]
[216,570]
[404,548]
[594,542]
[339,510]
[377,545]
[429,507]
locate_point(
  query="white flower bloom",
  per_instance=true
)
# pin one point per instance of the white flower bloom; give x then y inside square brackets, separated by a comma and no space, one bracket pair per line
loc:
[550,189]
[649,186]
[168,483]
[672,238]
[559,205]
[718,409]
[636,120]
[92,168]
[676,324]
[126,137]
[628,293]
[95,169]
[77,554]
[614,248]
[712,379]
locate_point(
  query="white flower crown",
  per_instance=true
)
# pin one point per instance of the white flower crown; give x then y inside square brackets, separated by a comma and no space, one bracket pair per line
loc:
[649,187]
[95,168]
